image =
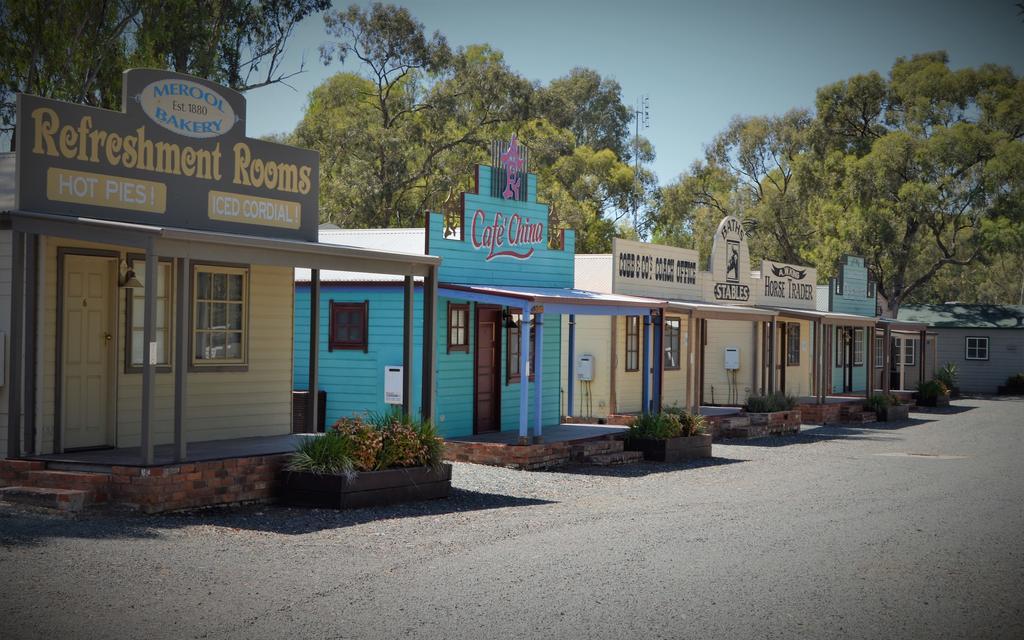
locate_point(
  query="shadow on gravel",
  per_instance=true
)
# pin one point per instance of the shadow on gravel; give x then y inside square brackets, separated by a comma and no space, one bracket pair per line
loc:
[889,426]
[34,527]
[808,437]
[951,410]
[639,469]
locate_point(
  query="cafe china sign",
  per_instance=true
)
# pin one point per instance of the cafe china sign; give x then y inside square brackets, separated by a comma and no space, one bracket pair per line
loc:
[176,156]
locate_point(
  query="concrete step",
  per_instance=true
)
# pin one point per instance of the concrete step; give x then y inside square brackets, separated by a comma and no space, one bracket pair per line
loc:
[47,497]
[617,458]
[95,485]
[585,450]
[730,422]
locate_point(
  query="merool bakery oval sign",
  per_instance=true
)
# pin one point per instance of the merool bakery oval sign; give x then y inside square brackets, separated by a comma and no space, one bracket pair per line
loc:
[187,108]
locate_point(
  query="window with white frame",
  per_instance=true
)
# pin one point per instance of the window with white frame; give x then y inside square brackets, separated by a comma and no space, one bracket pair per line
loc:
[879,351]
[858,347]
[977,348]
[219,315]
[906,353]
[136,315]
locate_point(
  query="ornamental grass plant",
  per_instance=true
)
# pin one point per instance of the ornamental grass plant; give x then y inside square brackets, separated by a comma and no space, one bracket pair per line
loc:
[770,403]
[673,422]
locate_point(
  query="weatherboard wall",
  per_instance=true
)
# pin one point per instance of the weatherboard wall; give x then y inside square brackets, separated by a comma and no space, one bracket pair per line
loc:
[851,291]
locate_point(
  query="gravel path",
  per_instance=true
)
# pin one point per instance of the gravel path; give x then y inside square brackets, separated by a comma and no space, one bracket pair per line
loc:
[908,531]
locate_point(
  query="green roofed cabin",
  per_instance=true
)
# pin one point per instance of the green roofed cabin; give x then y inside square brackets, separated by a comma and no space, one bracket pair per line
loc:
[984,341]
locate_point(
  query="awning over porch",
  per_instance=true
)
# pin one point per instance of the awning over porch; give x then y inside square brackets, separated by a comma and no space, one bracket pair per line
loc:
[832,318]
[536,302]
[720,311]
[187,246]
[553,299]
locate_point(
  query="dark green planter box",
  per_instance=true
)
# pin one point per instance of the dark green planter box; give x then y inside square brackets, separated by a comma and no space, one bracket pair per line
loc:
[366,488]
[673,449]
[891,414]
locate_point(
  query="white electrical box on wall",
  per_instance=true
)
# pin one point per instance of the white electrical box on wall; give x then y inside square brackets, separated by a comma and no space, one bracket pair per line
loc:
[585,367]
[732,358]
[392,385]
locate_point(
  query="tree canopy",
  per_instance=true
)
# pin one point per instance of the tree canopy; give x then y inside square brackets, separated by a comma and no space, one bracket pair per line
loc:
[76,50]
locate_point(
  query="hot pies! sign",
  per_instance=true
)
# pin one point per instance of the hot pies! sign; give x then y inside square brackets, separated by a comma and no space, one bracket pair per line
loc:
[501,235]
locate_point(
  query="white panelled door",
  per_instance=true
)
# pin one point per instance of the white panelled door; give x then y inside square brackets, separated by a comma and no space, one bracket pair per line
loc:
[87,350]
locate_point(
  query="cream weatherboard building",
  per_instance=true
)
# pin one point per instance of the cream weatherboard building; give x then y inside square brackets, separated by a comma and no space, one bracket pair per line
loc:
[726,332]
[147,290]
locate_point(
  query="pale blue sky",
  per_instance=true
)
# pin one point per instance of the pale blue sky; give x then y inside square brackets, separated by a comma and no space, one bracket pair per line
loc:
[701,63]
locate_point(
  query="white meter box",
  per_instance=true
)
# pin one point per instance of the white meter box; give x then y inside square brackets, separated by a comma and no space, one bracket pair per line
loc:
[393,385]
[732,358]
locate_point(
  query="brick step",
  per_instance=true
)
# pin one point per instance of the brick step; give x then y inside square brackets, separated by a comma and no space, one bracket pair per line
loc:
[47,497]
[586,450]
[95,485]
[746,431]
[617,458]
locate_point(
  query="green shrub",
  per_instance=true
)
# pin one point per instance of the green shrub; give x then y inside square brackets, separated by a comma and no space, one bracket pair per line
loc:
[1015,383]
[878,402]
[655,426]
[691,424]
[931,389]
[777,401]
[331,454]
[381,441]
[947,375]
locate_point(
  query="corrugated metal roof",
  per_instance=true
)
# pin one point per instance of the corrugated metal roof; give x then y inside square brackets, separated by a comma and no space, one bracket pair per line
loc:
[965,316]
[400,240]
[594,272]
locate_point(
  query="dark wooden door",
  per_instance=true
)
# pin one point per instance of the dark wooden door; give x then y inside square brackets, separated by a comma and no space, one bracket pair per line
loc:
[848,339]
[487,375]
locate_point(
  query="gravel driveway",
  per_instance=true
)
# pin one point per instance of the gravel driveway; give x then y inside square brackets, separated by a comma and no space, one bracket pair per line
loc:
[907,531]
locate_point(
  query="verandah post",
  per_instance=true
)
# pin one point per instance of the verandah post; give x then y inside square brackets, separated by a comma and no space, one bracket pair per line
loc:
[148,356]
[645,390]
[312,419]
[571,373]
[538,378]
[181,358]
[524,375]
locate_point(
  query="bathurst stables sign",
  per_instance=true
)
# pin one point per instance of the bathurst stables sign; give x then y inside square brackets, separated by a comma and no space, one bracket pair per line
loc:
[729,265]
[176,156]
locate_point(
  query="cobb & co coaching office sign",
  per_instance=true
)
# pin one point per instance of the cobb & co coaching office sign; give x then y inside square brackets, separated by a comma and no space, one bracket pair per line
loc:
[654,270]
[787,285]
[177,156]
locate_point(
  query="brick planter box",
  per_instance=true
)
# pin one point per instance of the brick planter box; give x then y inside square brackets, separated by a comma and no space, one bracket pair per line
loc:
[777,422]
[366,488]
[672,449]
[893,413]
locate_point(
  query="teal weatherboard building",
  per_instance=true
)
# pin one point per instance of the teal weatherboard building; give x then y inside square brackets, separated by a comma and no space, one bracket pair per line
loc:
[505,281]
[852,291]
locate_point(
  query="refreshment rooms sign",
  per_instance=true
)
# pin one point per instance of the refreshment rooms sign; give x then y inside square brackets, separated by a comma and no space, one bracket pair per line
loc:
[177,157]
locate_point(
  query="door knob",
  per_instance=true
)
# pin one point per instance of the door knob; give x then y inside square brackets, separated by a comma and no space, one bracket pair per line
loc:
[107,337]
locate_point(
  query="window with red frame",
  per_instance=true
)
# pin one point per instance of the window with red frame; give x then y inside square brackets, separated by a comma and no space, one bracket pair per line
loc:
[349,328]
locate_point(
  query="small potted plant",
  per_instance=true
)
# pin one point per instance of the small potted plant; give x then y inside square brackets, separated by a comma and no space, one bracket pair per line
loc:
[671,436]
[933,393]
[887,407]
[947,376]
[357,463]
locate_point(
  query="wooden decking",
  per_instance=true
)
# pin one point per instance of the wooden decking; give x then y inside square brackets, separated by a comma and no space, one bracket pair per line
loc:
[164,454]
